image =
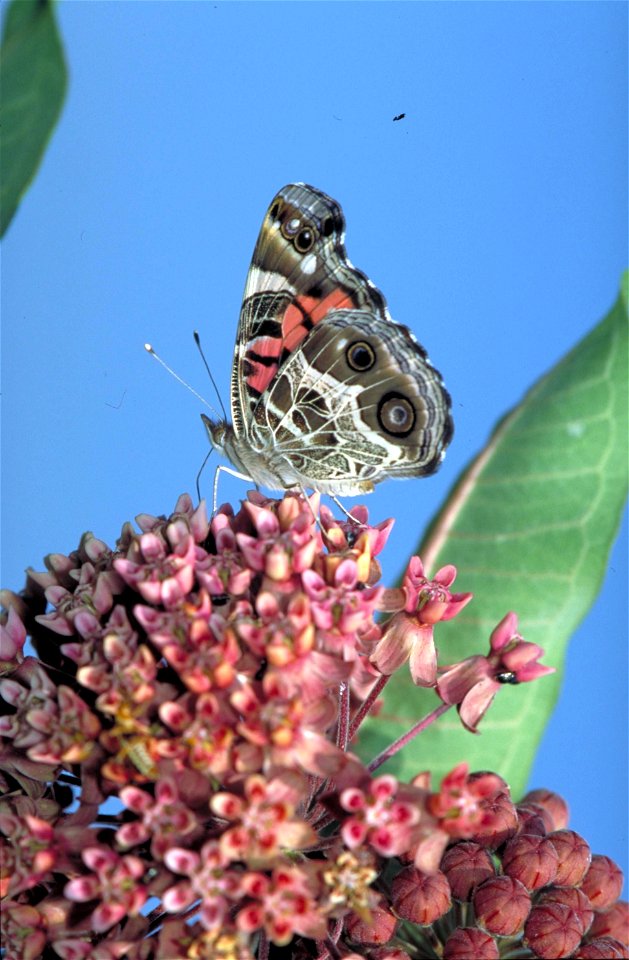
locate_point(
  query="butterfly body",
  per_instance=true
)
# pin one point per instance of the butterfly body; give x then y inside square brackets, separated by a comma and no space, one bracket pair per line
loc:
[327,391]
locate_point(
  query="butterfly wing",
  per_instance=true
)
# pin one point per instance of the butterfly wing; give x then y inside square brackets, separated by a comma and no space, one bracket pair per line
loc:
[357,403]
[299,273]
[327,391]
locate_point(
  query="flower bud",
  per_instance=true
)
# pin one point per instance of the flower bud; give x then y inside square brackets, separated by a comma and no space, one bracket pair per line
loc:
[504,822]
[465,865]
[553,803]
[534,819]
[470,943]
[603,882]
[501,905]
[612,923]
[531,860]
[420,897]
[574,855]
[573,898]
[379,929]
[604,948]
[552,931]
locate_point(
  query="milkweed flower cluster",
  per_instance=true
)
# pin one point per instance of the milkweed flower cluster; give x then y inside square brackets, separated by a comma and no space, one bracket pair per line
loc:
[176,769]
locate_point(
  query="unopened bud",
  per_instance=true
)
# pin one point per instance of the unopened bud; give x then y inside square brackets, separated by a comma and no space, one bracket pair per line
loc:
[573,898]
[612,923]
[502,905]
[379,929]
[534,819]
[574,855]
[466,865]
[420,897]
[531,860]
[604,948]
[504,822]
[603,882]
[553,803]
[552,931]
[469,942]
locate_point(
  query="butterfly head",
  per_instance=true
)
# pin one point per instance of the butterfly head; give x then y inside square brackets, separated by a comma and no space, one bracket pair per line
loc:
[250,464]
[217,431]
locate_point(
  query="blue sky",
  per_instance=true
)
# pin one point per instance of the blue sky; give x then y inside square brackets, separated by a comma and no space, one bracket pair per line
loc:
[493,217]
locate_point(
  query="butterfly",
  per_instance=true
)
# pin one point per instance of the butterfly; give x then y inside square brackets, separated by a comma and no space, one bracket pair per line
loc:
[327,391]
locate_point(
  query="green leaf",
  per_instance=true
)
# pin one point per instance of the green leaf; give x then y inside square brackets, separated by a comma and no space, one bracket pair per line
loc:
[32,84]
[529,526]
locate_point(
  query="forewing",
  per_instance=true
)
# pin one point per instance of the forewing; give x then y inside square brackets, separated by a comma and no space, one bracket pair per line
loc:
[299,273]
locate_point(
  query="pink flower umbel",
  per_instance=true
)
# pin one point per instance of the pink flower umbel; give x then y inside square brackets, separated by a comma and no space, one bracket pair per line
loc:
[209,677]
[472,684]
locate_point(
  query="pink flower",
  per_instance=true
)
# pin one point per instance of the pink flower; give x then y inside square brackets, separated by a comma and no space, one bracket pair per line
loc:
[94,594]
[210,880]
[12,636]
[286,731]
[353,539]
[158,575]
[285,635]
[465,806]
[29,856]
[113,881]
[461,805]
[286,540]
[262,820]
[341,608]
[343,535]
[23,930]
[164,819]
[432,600]
[473,683]
[194,640]
[187,517]
[383,815]
[283,904]
[421,603]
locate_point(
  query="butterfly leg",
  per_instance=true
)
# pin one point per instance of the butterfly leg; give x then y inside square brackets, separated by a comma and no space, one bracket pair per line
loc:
[197,482]
[343,510]
[232,473]
[336,501]
[302,490]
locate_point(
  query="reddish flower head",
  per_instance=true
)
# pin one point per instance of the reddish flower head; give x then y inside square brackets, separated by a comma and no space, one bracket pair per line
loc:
[209,678]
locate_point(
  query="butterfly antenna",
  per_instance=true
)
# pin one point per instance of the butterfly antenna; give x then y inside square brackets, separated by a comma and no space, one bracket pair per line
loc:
[197,340]
[149,349]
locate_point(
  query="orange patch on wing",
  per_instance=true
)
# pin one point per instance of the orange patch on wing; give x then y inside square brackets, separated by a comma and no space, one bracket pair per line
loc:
[336,300]
[260,376]
[266,346]
[293,328]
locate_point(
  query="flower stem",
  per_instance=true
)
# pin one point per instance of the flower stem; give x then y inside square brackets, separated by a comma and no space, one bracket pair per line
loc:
[342,733]
[397,745]
[366,706]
